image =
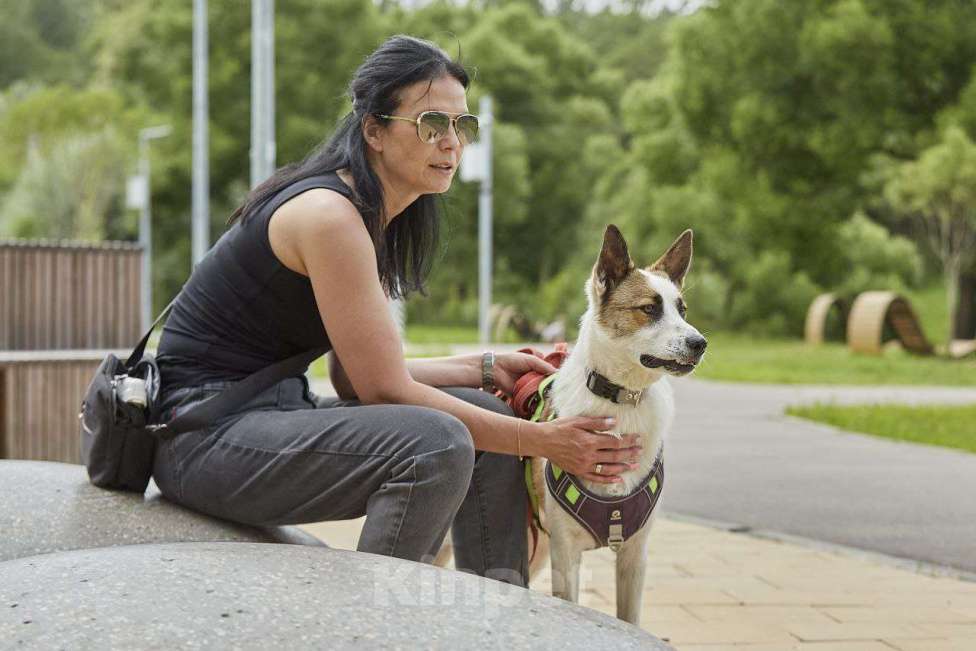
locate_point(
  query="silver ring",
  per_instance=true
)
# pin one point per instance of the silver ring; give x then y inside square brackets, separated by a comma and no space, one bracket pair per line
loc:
[599,468]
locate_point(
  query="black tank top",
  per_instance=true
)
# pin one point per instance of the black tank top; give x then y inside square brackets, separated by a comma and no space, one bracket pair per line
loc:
[241,309]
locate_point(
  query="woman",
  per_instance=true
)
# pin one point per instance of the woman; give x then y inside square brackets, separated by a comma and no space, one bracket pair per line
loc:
[311,261]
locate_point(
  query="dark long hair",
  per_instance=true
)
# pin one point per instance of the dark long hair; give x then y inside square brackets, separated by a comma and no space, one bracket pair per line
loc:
[404,249]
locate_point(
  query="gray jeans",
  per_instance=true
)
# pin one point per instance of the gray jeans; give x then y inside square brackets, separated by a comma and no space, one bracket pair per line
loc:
[288,456]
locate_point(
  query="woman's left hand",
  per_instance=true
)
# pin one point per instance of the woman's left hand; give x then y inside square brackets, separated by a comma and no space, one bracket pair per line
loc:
[509,367]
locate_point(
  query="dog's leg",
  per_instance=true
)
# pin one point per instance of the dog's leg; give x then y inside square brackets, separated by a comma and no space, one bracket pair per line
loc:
[566,556]
[445,554]
[631,567]
[538,561]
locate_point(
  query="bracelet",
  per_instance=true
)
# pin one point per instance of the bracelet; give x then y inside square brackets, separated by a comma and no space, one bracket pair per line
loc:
[518,439]
[488,371]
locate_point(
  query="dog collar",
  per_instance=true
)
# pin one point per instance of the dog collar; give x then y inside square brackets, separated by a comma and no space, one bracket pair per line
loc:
[612,391]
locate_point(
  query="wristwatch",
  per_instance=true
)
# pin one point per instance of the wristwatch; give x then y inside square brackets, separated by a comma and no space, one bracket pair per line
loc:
[488,371]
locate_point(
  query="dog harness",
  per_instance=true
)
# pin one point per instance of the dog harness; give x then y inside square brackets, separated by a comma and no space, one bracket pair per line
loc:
[610,520]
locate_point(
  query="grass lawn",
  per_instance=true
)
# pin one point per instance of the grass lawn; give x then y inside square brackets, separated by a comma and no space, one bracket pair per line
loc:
[948,426]
[740,359]
[419,333]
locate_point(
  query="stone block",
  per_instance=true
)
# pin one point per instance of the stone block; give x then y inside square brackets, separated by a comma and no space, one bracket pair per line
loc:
[50,507]
[260,596]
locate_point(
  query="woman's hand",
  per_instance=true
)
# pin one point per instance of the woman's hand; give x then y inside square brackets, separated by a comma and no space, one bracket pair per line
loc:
[509,367]
[573,444]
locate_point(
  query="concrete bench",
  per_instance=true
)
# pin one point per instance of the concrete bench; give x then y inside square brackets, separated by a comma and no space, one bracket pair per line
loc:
[259,596]
[48,507]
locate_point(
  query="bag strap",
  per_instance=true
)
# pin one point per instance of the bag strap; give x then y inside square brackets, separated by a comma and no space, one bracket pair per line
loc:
[141,346]
[235,395]
[210,410]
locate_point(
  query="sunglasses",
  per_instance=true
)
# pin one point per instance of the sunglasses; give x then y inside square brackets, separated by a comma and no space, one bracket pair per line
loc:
[433,125]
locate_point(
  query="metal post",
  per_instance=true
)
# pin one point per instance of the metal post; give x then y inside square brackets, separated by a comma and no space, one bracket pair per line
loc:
[271,144]
[263,148]
[484,223]
[145,236]
[145,218]
[201,158]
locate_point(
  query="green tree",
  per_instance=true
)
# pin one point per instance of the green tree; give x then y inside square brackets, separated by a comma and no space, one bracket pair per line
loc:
[939,191]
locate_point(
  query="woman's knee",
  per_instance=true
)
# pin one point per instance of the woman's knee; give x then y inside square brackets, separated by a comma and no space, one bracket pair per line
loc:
[446,441]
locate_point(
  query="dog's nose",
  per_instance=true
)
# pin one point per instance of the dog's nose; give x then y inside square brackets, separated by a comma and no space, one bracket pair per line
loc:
[696,344]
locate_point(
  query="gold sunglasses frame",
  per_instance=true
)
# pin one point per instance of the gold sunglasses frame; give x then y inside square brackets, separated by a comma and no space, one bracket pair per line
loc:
[452,124]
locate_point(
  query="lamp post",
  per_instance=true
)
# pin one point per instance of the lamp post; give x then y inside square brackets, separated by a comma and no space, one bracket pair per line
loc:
[201,159]
[138,197]
[262,91]
[476,166]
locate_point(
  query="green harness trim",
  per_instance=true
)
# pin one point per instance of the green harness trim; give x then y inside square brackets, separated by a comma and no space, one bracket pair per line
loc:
[543,392]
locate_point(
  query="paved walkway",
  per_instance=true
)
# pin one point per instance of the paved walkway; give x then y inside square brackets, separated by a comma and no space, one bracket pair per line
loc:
[709,589]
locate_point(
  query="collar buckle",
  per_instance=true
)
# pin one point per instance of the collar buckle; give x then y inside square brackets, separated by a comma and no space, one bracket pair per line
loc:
[632,396]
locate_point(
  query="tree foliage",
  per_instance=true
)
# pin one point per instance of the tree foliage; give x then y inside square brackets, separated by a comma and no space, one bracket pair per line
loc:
[779,131]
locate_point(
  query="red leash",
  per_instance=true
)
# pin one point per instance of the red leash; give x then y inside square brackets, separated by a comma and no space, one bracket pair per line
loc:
[525,397]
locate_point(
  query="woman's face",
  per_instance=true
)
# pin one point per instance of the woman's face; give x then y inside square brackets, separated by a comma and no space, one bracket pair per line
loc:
[407,163]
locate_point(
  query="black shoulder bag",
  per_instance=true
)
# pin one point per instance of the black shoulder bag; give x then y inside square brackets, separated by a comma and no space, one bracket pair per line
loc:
[118,437]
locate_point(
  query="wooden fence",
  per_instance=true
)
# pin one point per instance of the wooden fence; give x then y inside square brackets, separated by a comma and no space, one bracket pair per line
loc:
[69,295]
[63,306]
[40,397]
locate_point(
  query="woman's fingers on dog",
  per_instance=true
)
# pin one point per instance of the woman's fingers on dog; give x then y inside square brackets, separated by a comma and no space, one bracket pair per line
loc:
[595,423]
[602,479]
[624,456]
[611,469]
[628,441]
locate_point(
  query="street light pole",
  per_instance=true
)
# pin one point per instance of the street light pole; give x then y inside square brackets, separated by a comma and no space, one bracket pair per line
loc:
[262,91]
[484,222]
[145,216]
[476,166]
[201,159]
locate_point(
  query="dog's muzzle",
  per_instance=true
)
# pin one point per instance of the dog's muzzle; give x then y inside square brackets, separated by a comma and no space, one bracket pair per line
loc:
[672,365]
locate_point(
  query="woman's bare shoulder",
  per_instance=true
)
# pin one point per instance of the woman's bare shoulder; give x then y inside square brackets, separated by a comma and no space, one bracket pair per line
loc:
[317,215]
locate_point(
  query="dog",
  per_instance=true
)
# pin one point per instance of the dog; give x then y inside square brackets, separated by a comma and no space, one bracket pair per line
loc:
[633,335]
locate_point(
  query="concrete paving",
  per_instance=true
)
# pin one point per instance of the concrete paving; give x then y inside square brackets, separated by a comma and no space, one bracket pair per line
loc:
[714,590]
[261,596]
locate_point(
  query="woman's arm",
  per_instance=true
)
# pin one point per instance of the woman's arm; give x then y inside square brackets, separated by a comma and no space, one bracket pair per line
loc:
[455,371]
[327,233]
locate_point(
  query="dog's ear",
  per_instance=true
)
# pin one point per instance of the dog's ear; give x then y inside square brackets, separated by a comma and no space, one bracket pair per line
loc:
[614,262]
[676,261]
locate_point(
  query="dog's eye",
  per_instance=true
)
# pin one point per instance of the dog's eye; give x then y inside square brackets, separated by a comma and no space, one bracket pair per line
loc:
[682,308]
[652,310]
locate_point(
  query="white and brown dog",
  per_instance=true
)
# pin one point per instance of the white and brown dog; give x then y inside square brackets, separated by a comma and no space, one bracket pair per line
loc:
[632,336]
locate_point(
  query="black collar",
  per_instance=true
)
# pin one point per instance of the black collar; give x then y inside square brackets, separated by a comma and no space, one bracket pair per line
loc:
[612,391]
